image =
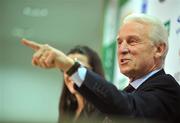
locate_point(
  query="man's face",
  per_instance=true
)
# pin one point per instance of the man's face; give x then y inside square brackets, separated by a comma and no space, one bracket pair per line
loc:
[136,52]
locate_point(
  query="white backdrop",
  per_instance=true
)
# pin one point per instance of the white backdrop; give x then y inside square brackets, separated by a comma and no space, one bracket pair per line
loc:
[169,11]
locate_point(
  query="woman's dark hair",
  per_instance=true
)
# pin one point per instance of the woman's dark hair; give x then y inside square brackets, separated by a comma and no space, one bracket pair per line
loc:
[68,102]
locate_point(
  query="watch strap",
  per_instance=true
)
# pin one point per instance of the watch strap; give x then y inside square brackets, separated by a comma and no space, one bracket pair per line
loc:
[73,68]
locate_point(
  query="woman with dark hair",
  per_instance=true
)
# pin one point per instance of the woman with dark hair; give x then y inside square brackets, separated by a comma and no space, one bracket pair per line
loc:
[73,106]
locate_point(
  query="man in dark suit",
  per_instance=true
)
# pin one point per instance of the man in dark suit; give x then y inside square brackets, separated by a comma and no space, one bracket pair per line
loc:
[142,47]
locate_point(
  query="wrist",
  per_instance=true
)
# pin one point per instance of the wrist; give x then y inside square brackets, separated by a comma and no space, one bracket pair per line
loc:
[64,64]
[68,64]
[73,68]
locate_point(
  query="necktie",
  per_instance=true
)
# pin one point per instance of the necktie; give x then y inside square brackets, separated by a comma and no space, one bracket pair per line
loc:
[129,88]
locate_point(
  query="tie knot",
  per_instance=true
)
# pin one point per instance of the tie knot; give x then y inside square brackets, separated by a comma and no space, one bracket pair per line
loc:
[129,88]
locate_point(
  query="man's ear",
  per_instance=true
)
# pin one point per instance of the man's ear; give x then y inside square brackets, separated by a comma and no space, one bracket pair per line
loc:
[160,50]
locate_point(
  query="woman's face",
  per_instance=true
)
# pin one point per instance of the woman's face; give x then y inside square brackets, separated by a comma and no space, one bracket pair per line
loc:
[84,61]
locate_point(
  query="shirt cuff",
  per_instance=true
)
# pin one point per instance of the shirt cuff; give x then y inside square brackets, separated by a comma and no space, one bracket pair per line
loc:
[79,76]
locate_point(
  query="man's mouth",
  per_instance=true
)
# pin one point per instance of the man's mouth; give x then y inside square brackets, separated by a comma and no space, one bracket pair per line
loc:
[124,61]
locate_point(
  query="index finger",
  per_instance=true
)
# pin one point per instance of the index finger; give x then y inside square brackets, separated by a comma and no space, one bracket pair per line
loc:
[31,44]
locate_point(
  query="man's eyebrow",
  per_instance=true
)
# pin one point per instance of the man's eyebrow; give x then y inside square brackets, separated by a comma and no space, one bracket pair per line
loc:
[128,37]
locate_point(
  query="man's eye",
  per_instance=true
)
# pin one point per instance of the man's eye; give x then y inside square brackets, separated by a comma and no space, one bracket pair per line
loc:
[132,41]
[119,41]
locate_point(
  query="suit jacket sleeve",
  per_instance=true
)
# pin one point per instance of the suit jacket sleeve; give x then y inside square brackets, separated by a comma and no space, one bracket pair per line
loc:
[104,95]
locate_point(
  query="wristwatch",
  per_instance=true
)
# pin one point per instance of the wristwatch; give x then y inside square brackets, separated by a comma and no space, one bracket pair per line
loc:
[73,68]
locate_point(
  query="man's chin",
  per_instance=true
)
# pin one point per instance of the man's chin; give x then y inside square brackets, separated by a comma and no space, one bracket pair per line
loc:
[127,72]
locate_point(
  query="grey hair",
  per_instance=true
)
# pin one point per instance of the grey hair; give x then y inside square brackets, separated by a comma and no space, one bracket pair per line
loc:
[157,33]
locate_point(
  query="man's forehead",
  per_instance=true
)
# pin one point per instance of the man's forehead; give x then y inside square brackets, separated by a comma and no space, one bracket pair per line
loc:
[132,28]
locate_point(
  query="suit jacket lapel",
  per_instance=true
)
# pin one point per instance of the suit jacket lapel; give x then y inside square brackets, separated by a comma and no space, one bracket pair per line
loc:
[148,81]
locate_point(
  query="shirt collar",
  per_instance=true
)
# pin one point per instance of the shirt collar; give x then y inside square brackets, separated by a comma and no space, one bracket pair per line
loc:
[136,83]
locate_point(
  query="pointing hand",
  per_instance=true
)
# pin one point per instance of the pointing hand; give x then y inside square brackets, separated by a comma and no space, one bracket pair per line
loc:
[46,56]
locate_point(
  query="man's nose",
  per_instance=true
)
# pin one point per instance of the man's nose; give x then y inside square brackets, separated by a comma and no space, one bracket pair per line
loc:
[123,48]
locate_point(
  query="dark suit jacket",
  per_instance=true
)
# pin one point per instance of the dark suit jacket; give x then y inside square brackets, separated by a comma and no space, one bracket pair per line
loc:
[158,98]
